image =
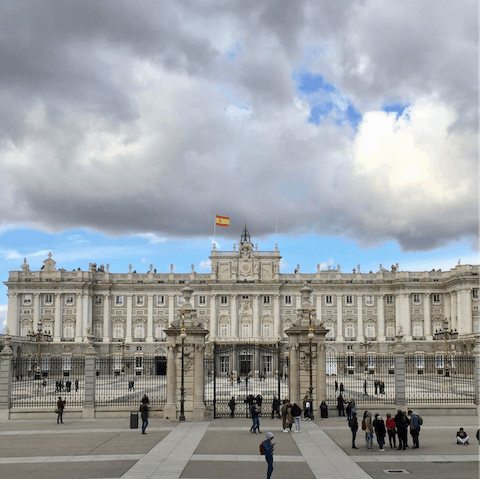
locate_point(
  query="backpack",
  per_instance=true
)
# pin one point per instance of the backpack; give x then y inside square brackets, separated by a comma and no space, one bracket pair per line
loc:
[364,424]
[262,449]
[420,421]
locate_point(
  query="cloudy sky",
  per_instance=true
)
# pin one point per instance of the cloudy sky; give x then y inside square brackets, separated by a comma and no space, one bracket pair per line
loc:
[344,131]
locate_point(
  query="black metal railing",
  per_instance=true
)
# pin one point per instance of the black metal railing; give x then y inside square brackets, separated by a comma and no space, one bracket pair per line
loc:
[431,380]
[38,383]
[124,381]
[367,380]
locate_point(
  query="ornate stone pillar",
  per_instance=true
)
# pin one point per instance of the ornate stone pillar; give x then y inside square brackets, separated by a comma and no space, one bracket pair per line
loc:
[360,335]
[408,320]
[13,319]
[319,306]
[128,335]
[89,403]
[256,316]
[5,379]
[79,319]
[464,312]
[234,316]
[213,317]
[36,311]
[199,382]
[87,313]
[171,308]
[446,305]
[107,320]
[149,338]
[427,317]
[339,318]
[294,374]
[277,321]
[400,397]
[57,329]
[170,409]
[453,309]
[321,376]
[381,317]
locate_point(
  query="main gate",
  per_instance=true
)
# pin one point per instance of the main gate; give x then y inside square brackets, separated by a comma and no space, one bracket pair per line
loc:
[243,370]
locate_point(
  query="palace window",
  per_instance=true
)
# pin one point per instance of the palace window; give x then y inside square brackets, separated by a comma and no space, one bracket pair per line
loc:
[267,364]
[439,361]
[420,361]
[224,364]
[69,299]
[369,299]
[244,297]
[331,332]
[201,300]
[97,330]
[417,329]
[266,300]
[475,294]
[390,330]
[27,299]
[48,299]
[68,332]
[139,331]
[267,331]
[139,300]
[349,299]
[246,331]
[119,300]
[160,332]
[370,330]
[223,300]
[118,331]
[389,299]
[476,327]
[328,299]
[416,298]
[160,300]
[224,330]
[349,331]
[288,299]
[436,298]
[138,362]
[98,300]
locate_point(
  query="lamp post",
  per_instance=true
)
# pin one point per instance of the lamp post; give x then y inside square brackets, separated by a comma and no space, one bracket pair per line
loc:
[311,335]
[446,334]
[366,345]
[39,337]
[123,346]
[183,335]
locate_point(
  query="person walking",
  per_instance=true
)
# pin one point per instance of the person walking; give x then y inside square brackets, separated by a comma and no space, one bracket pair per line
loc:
[365,387]
[341,405]
[342,389]
[232,404]
[145,399]
[144,415]
[391,430]
[76,385]
[60,407]
[284,415]
[380,432]
[349,409]
[414,428]
[255,420]
[336,387]
[276,407]
[401,422]
[353,425]
[368,430]
[296,413]
[268,447]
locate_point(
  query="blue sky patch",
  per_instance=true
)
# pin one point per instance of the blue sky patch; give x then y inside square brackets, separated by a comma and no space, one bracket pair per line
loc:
[398,108]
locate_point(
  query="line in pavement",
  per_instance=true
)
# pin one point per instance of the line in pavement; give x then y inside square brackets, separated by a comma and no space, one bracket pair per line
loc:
[62,430]
[70,458]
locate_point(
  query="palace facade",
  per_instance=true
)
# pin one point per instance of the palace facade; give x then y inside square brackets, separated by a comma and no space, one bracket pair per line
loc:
[244,298]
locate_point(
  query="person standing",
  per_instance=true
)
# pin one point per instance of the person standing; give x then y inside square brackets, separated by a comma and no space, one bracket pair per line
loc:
[380,432]
[368,430]
[414,428]
[401,422]
[296,413]
[145,399]
[76,385]
[365,387]
[276,407]
[289,417]
[336,387]
[342,389]
[268,447]
[349,409]
[284,415]
[232,404]
[353,425]
[144,416]
[60,407]
[255,420]
[391,430]
[341,405]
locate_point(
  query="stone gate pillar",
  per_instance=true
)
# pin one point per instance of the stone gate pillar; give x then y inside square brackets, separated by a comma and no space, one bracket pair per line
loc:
[476,353]
[170,409]
[294,374]
[400,370]
[90,379]
[5,379]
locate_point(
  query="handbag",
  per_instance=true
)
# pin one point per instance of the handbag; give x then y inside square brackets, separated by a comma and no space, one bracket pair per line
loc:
[57,411]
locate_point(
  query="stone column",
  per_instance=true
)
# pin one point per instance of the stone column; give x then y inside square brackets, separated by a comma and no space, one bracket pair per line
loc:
[57,329]
[447,305]
[408,320]
[36,311]
[171,308]
[87,313]
[234,331]
[107,320]
[213,317]
[256,316]
[90,377]
[360,335]
[339,318]
[427,317]
[453,309]
[128,335]
[381,317]
[79,319]
[277,320]
[321,376]
[464,312]
[170,409]
[5,379]
[400,393]
[319,307]
[298,301]
[12,314]
[294,374]
[149,338]
[198,401]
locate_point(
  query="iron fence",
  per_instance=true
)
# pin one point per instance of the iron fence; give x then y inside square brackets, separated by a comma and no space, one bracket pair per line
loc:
[366,380]
[244,372]
[428,380]
[38,383]
[123,381]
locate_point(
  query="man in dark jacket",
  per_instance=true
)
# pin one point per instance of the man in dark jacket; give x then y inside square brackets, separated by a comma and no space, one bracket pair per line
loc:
[144,416]
[276,407]
[341,405]
[402,423]
[414,428]
[353,424]
[232,404]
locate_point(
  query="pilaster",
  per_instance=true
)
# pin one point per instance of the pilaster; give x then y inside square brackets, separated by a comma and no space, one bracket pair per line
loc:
[13,318]
[339,318]
[57,330]
[233,315]
[213,317]
[427,317]
[79,319]
[277,321]
[149,338]
[381,316]
[128,336]
[36,310]
[256,316]
[360,335]
[107,320]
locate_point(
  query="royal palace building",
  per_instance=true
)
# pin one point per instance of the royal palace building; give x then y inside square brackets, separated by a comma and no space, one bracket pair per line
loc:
[244,298]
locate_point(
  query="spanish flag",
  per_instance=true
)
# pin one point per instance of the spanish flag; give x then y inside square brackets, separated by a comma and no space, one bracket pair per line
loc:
[222,220]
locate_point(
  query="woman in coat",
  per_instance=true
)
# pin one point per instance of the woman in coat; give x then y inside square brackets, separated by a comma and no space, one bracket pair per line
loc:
[380,432]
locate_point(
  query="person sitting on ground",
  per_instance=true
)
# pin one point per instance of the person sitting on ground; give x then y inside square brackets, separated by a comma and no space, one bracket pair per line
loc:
[462,437]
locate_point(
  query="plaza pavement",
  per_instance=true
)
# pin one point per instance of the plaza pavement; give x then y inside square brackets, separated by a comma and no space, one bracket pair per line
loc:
[224,449]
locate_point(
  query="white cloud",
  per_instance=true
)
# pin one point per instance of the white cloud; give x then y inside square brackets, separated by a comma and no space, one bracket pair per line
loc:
[283,264]
[3,317]
[325,265]
[205,264]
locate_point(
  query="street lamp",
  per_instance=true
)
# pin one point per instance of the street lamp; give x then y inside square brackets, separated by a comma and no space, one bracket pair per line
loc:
[39,337]
[183,335]
[366,344]
[123,346]
[310,336]
[446,334]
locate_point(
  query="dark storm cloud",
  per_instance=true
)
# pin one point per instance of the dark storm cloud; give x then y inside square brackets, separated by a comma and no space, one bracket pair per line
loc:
[124,117]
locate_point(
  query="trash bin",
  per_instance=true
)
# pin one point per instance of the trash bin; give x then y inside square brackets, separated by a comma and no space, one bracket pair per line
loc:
[323,410]
[134,420]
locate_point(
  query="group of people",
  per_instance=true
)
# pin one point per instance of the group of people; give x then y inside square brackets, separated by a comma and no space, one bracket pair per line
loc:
[395,427]
[59,386]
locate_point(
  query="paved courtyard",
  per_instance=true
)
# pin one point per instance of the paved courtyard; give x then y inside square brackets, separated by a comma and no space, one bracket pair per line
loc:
[224,449]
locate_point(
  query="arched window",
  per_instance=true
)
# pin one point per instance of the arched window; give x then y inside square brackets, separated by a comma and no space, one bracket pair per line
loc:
[68,332]
[331,333]
[118,330]
[224,330]
[390,329]
[349,330]
[417,329]
[330,361]
[139,331]
[160,332]
[370,330]
[97,330]
[266,330]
